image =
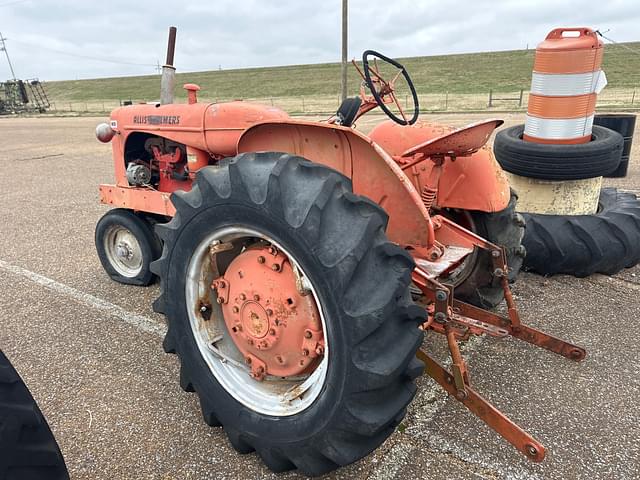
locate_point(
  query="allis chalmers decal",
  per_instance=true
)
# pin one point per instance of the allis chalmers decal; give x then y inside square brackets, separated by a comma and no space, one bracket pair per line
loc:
[157,119]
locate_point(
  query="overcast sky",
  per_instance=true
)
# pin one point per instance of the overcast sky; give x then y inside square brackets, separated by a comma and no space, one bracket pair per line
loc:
[245,33]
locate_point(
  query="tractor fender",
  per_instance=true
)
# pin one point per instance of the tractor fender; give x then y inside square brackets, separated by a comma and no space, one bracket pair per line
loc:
[372,171]
[476,182]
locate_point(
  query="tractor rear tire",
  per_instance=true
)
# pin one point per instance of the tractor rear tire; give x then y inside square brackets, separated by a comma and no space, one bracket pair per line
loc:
[136,233]
[362,283]
[28,450]
[505,228]
[580,245]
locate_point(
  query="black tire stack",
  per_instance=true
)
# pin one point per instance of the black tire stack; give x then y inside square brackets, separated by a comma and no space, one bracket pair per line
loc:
[580,245]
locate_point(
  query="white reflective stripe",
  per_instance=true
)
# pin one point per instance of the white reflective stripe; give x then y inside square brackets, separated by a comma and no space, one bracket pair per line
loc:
[558,128]
[564,85]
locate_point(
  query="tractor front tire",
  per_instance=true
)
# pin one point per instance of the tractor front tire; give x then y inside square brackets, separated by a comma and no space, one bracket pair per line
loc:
[505,228]
[126,246]
[361,283]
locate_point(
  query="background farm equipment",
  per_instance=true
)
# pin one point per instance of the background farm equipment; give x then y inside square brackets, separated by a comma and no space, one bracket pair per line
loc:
[23,96]
[292,251]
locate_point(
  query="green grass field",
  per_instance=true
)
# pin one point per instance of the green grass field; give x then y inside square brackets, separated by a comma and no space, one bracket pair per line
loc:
[475,73]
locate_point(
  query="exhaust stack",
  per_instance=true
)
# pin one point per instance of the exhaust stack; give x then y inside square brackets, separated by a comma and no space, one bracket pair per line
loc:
[168,80]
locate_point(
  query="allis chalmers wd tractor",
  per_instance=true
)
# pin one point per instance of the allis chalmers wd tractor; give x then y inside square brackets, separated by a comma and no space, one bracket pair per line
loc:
[301,263]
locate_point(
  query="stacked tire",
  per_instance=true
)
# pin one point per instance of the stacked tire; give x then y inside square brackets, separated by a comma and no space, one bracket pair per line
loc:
[605,241]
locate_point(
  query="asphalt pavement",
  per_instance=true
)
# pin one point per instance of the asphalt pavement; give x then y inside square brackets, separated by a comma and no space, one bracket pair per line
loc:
[90,349]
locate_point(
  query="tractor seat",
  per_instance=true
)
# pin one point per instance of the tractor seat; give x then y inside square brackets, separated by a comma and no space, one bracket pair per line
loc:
[348,110]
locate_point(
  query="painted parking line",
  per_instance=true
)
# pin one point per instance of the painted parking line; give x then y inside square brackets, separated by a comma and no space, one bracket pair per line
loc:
[140,322]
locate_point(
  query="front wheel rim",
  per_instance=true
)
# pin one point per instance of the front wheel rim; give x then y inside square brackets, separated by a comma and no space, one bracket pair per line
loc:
[123,251]
[275,396]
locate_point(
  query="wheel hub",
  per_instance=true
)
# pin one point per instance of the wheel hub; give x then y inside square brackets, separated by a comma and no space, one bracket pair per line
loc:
[272,318]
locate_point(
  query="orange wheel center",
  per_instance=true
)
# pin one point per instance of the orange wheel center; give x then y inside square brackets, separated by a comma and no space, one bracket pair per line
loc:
[254,319]
[272,319]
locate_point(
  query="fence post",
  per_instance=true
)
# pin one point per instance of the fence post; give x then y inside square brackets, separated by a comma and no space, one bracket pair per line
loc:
[490,98]
[303,104]
[520,100]
[446,100]
[70,108]
[633,96]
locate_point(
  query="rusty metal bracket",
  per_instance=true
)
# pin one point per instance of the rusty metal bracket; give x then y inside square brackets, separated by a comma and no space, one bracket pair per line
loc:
[484,410]
[458,320]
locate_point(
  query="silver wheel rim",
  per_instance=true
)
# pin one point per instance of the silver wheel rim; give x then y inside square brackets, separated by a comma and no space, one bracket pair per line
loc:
[276,396]
[123,251]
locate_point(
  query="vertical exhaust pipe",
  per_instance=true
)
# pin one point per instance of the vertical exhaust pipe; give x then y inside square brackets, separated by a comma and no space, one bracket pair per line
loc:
[168,80]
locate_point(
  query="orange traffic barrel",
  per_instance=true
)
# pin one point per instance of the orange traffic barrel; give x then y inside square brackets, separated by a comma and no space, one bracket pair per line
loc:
[564,86]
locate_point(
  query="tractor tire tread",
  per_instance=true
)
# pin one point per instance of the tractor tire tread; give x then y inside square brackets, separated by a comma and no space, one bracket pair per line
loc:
[346,234]
[581,245]
[28,449]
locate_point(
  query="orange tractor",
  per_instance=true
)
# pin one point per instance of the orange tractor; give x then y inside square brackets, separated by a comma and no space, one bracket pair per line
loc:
[301,263]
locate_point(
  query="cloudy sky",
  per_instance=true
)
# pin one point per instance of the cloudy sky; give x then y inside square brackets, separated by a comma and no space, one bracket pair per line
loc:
[65,39]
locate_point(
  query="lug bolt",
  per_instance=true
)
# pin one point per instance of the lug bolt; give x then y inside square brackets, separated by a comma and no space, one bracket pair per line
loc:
[248,360]
[256,297]
[440,317]
[275,267]
[243,296]
[269,312]
[260,259]
[532,451]
[235,309]
[272,332]
[441,295]
[221,285]
[319,350]
[308,334]
[305,352]
[220,300]
[461,395]
[495,253]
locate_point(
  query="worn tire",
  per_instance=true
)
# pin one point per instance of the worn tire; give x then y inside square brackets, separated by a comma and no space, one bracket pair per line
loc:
[596,158]
[581,245]
[28,450]
[505,228]
[142,228]
[362,279]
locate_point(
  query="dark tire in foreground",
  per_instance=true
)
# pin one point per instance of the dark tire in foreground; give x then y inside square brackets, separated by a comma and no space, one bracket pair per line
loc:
[28,450]
[477,284]
[360,282]
[581,245]
[596,158]
[126,245]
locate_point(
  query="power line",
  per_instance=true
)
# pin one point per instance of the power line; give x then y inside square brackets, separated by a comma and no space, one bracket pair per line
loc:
[87,57]
[3,48]
[12,3]
[633,50]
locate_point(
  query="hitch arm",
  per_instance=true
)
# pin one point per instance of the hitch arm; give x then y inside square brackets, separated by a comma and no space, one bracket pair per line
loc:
[480,407]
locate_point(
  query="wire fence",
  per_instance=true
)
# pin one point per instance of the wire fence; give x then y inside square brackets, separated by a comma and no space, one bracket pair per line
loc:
[610,98]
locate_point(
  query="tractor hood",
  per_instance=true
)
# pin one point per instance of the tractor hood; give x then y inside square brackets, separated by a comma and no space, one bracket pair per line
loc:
[212,127]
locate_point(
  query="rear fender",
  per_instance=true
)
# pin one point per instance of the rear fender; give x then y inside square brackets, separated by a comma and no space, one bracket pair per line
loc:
[372,171]
[475,182]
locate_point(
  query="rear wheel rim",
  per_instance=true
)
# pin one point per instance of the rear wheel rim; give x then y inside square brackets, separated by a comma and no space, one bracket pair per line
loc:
[123,251]
[276,396]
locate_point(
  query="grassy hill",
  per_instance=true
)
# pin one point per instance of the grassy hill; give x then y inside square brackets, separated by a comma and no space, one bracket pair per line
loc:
[507,71]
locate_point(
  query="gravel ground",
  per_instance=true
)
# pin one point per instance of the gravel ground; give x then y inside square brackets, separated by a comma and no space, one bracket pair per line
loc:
[90,349]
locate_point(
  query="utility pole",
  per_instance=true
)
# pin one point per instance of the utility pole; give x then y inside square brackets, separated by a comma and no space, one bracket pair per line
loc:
[343,67]
[4,49]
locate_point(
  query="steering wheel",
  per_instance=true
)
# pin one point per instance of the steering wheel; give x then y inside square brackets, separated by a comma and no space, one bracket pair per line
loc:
[372,77]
